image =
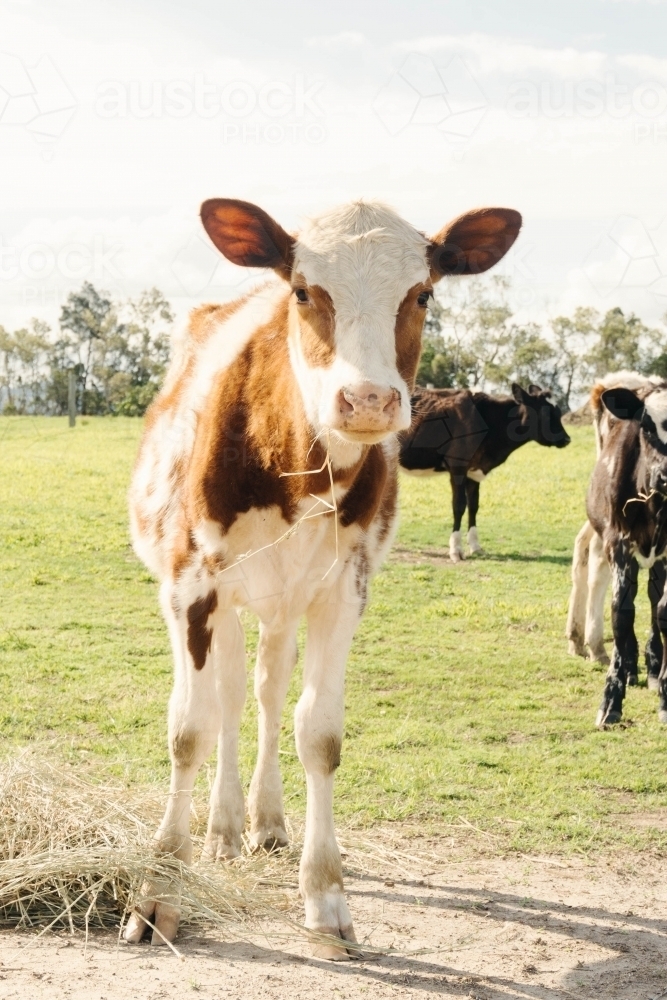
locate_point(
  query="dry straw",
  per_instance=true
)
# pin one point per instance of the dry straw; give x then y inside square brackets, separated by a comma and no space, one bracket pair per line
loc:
[75,853]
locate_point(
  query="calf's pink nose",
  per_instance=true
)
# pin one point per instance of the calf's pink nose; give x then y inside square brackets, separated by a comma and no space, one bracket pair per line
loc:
[369,399]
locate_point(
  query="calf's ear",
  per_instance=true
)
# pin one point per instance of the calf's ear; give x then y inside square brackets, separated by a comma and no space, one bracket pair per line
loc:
[622,403]
[474,242]
[519,393]
[247,235]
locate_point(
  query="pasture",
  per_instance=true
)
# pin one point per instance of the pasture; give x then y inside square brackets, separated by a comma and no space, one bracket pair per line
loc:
[462,706]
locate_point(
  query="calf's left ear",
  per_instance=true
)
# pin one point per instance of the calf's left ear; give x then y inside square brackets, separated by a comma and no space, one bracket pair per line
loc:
[247,235]
[474,242]
[622,403]
[520,394]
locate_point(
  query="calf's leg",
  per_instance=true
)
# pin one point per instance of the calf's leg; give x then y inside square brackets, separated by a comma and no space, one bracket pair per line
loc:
[599,575]
[195,715]
[576,611]
[662,678]
[472,497]
[653,653]
[624,657]
[319,728]
[276,657]
[459,507]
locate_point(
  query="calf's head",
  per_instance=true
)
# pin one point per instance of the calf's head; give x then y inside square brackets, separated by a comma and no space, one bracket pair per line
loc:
[539,417]
[360,282]
[651,415]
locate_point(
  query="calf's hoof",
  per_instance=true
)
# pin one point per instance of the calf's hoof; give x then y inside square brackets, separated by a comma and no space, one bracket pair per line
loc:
[662,716]
[652,683]
[159,916]
[575,647]
[328,913]
[272,838]
[633,680]
[334,952]
[221,847]
[610,718]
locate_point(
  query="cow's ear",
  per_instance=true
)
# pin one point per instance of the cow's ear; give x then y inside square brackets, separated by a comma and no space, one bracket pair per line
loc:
[474,242]
[535,390]
[622,403]
[247,236]
[519,393]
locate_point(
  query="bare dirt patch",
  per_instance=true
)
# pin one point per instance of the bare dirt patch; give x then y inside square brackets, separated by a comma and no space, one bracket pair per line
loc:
[479,927]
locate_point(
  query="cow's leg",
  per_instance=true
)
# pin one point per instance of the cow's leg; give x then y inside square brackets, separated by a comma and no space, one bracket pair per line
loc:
[226,818]
[472,498]
[194,722]
[657,579]
[319,728]
[459,509]
[599,575]
[576,611]
[661,618]
[276,657]
[624,571]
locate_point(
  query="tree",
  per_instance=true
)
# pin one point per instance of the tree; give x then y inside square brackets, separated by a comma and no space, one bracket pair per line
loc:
[622,342]
[90,317]
[572,336]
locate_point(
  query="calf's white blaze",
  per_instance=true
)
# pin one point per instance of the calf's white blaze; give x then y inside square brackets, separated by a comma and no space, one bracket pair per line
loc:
[656,407]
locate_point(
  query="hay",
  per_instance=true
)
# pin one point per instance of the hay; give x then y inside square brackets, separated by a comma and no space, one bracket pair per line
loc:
[75,853]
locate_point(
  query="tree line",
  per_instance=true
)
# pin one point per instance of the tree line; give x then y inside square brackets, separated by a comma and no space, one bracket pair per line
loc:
[119,351]
[472,341]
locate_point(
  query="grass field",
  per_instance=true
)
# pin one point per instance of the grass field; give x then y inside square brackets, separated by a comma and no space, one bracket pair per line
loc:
[462,704]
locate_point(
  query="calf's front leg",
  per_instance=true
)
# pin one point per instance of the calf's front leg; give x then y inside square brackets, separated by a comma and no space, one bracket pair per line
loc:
[654,647]
[472,497]
[319,729]
[624,571]
[459,508]
[662,677]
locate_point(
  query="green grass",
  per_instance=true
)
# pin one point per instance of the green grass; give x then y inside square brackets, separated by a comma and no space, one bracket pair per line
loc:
[461,700]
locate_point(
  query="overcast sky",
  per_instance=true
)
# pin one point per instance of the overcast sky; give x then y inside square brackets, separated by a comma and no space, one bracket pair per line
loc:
[117,119]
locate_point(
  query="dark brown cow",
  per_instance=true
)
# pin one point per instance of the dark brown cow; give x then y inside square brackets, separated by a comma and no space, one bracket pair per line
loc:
[468,434]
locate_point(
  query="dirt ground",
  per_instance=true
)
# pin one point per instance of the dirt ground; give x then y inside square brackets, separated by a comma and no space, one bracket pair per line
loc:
[484,928]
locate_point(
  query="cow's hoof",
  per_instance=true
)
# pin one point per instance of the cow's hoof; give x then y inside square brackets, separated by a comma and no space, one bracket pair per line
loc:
[652,683]
[160,917]
[333,952]
[218,847]
[269,838]
[662,716]
[456,557]
[633,680]
[610,719]
[599,656]
[575,647]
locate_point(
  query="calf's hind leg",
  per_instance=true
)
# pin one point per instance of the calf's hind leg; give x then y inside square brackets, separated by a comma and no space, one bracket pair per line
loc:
[599,576]
[662,678]
[459,501]
[472,496]
[576,611]
[276,657]
[653,652]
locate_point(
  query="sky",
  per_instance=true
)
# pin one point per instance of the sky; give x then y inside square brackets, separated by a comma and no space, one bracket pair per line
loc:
[117,119]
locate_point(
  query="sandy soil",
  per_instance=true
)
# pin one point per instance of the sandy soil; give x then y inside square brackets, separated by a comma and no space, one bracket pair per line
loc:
[484,928]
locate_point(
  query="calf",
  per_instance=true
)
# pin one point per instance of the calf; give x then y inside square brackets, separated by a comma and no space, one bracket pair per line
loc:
[627,508]
[267,480]
[590,569]
[468,434]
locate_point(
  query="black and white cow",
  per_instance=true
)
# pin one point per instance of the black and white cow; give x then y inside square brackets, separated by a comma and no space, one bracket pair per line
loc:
[627,508]
[468,434]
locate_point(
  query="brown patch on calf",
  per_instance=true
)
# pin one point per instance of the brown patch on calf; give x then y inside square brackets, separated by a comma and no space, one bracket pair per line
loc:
[387,511]
[316,321]
[362,571]
[319,877]
[199,635]
[184,747]
[328,751]
[409,326]
[360,504]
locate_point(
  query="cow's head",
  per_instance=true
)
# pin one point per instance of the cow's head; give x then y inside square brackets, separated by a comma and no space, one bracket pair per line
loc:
[651,415]
[361,279]
[541,418]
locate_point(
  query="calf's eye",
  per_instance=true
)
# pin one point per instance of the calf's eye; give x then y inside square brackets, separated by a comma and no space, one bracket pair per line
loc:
[422,298]
[301,294]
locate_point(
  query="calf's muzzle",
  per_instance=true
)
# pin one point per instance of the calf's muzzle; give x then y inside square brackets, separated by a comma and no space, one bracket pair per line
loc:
[367,408]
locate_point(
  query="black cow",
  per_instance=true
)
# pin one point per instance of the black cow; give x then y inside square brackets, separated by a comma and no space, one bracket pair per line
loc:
[467,434]
[627,507]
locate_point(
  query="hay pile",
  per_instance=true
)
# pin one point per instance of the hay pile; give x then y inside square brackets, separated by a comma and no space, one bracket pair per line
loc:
[75,852]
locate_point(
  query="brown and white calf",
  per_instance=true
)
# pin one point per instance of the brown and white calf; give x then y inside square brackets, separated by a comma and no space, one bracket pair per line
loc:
[627,508]
[267,480]
[468,434]
[591,573]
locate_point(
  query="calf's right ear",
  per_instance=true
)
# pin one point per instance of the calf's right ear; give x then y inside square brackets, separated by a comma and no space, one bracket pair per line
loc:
[474,242]
[622,403]
[247,235]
